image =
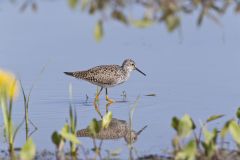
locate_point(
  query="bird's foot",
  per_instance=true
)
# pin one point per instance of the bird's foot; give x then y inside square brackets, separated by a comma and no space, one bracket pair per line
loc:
[109,100]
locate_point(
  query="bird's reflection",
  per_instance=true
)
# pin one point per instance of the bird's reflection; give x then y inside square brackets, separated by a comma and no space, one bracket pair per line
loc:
[96,106]
[117,129]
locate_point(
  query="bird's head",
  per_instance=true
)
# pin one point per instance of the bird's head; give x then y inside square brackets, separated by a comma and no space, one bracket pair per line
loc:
[132,136]
[129,65]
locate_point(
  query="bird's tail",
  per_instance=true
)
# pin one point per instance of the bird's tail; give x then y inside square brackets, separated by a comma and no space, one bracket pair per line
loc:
[69,73]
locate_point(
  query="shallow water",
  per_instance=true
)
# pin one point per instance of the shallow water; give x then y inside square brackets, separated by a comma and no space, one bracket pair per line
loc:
[196,73]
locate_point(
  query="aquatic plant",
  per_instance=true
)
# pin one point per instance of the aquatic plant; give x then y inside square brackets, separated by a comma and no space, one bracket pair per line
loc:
[185,127]
[130,143]
[68,132]
[72,128]
[168,12]
[8,92]
[28,150]
[26,98]
[60,139]
[95,127]
[206,146]
[9,87]
[149,12]
[189,142]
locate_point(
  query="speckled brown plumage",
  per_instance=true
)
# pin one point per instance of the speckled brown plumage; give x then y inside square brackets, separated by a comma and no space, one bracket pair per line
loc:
[106,75]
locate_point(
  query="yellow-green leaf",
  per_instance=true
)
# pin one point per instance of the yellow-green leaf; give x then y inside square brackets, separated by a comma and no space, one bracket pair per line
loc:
[214,117]
[189,152]
[235,131]
[175,123]
[69,136]
[185,126]
[28,151]
[94,127]
[209,137]
[56,138]
[225,129]
[172,22]
[84,4]
[73,3]
[142,23]
[119,16]
[238,113]
[106,120]
[98,31]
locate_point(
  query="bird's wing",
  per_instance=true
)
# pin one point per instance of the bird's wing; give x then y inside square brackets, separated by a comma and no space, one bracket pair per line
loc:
[103,74]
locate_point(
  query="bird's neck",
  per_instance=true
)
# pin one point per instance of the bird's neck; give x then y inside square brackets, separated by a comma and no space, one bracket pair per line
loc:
[126,70]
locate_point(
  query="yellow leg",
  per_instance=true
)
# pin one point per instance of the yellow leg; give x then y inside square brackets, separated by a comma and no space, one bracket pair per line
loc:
[97,95]
[97,109]
[108,99]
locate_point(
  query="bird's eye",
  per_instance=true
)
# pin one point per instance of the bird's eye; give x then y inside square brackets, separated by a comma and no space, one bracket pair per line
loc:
[132,64]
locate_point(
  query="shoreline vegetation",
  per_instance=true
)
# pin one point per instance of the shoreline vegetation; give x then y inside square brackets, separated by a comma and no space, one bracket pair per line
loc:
[189,142]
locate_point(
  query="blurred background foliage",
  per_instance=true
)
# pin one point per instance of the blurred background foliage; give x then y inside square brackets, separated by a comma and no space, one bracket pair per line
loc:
[145,13]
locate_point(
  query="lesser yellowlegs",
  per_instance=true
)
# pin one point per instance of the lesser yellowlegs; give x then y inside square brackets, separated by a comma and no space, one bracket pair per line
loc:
[117,129]
[107,76]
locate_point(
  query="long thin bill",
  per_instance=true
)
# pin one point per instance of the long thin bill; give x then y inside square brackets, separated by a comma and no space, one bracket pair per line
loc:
[139,132]
[140,71]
